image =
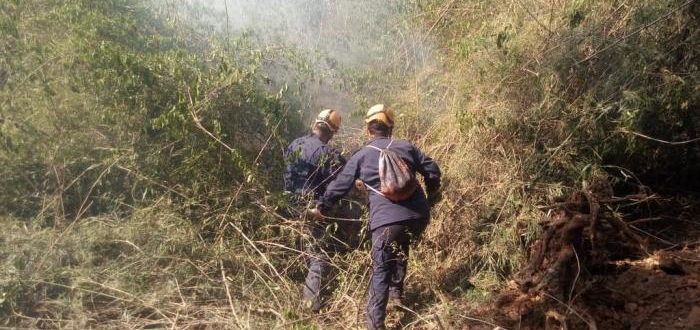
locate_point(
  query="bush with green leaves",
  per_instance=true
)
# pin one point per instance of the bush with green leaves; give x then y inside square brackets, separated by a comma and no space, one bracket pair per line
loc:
[110,103]
[141,147]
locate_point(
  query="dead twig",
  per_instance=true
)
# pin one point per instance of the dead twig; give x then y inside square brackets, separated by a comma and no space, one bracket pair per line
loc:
[674,143]
[262,255]
[482,321]
[638,30]
[588,320]
[228,295]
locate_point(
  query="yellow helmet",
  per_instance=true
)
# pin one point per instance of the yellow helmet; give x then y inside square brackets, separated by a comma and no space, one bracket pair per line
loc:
[331,118]
[382,113]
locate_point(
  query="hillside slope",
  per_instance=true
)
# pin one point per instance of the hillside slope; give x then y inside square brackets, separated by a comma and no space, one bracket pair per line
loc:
[141,149]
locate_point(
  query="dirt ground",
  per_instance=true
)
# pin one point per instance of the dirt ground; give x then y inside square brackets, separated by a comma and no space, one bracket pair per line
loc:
[594,269]
[658,292]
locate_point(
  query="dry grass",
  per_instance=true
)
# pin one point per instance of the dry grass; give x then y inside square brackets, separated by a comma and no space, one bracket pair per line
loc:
[509,126]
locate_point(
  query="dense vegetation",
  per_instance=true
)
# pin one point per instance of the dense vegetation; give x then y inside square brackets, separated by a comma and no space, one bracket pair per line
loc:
[140,144]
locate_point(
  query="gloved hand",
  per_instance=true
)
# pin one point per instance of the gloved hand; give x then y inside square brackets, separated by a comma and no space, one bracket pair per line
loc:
[315,213]
[434,197]
[433,191]
[360,186]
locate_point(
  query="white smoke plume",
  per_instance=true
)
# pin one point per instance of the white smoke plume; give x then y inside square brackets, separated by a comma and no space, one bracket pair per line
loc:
[339,37]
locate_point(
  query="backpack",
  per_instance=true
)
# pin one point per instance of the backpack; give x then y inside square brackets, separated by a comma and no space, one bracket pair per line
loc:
[398,182]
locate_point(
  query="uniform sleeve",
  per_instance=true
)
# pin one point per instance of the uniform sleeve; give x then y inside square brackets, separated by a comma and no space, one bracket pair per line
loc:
[342,183]
[429,169]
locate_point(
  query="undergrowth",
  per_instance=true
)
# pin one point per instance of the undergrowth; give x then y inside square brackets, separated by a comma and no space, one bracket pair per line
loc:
[141,151]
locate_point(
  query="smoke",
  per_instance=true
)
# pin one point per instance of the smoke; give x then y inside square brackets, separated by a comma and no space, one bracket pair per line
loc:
[340,39]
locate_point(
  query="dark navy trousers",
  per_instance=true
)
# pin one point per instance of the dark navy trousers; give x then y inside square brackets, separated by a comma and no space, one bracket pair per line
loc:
[319,265]
[390,247]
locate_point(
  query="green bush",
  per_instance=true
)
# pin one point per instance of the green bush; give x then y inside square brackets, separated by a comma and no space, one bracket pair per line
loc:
[98,110]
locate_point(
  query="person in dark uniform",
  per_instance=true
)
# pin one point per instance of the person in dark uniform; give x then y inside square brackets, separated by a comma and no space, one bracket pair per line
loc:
[392,224]
[311,165]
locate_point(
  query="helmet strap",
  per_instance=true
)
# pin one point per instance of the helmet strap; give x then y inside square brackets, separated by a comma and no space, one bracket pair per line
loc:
[328,125]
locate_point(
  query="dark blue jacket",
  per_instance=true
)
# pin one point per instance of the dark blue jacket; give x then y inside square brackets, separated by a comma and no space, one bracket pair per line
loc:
[311,166]
[364,165]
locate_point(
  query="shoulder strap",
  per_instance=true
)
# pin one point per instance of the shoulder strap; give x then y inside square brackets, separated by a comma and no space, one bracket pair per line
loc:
[372,189]
[365,183]
[380,149]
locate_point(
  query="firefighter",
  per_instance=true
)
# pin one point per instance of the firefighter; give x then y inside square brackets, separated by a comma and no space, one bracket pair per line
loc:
[311,164]
[393,222]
